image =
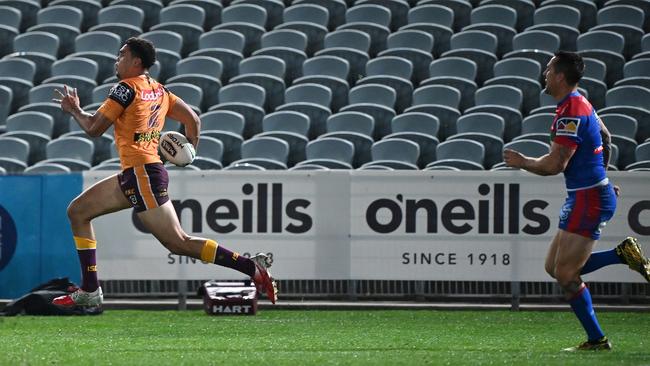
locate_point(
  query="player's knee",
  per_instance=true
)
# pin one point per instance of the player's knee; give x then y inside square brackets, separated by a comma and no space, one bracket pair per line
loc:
[565,276]
[75,211]
[550,269]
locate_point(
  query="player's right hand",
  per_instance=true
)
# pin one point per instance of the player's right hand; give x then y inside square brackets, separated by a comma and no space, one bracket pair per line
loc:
[513,158]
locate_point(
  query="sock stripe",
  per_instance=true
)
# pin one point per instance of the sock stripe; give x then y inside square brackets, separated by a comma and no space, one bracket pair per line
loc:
[209,251]
[84,243]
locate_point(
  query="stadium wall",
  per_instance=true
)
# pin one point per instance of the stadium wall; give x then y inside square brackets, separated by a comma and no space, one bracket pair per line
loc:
[321,225]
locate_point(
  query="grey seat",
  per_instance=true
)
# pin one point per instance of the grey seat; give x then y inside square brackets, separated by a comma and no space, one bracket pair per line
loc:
[17,74]
[212,11]
[168,47]
[310,19]
[39,47]
[124,20]
[626,150]
[587,10]
[435,20]
[101,47]
[371,19]
[530,148]
[414,46]
[503,100]
[441,101]
[31,121]
[636,3]
[288,45]
[355,127]
[6,96]
[75,153]
[330,152]
[248,100]
[247,19]
[594,68]
[631,101]
[9,24]
[335,8]
[227,127]
[620,124]
[607,47]
[309,167]
[421,128]
[28,10]
[151,9]
[478,46]
[102,143]
[204,72]
[394,72]
[636,72]
[498,20]
[536,127]
[244,166]
[79,73]
[186,20]
[274,10]
[523,74]
[375,100]
[398,9]
[268,152]
[226,46]
[36,141]
[482,122]
[460,153]
[209,154]
[14,153]
[560,19]
[642,152]
[291,127]
[396,153]
[331,72]
[191,168]
[538,45]
[267,72]
[456,72]
[314,101]
[624,14]
[47,168]
[40,100]
[462,11]
[62,20]
[632,35]
[350,45]
[89,8]
[494,13]
[192,95]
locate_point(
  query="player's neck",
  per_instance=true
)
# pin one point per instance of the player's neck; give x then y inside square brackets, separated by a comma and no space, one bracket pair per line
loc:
[561,94]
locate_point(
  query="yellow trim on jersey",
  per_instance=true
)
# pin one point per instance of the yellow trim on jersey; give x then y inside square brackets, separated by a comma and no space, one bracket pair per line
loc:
[209,251]
[144,186]
[84,244]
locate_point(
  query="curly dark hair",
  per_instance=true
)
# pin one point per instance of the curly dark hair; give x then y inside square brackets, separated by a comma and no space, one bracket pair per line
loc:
[142,49]
[571,65]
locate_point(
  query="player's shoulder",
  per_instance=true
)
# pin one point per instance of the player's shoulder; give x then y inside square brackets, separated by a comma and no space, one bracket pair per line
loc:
[575,106]
[123,93]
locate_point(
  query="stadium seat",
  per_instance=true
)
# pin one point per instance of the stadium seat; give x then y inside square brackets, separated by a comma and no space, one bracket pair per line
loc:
[192,95]
[331,72]
[525,11]
[523,74]
[14,153]
[309,167]
[312,100]
[594,69]
[421,128]
[248,100]
[620,124]
[28,10]
[9,23]
[398,9]
[396,153]
[494,13]
[244,166]
[460,153]
[31,121]
[375,100]
[62,20]
[632,35]
[373,20]
[79,73]
[168,51]
[10,17]
[586,8]
[267,72]
[101,47]
[482,122]
[632,101]
[607,47]
[351,45]
[212,10]
[17,74]
[226,46]
[394,72]
[89,8]
[441,101]
[48,168]
[268,152]
[355,127]
[151,9]
[414,46]
[330,152]
[102,144]
[503,100]
[557,14]
[209,154]
[204,72]
[538,45]
[456,72]
[291,127]
[274,10]
[636,72]
[227,127]
[75,153]
[624,14]
[478,46]
[124,20]
[36,141]
[186,20]
[537,127]
[335,8]
[626,150]
[642,152]
[530,148]
[170,166]
[40,100]
[596,90]
[6,96]
[39,47]
[462,11]
[289,46]
[247,19]
[436,20]
[310,19]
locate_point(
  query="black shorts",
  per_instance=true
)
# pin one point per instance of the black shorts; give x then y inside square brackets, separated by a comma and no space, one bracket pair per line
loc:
[145,186]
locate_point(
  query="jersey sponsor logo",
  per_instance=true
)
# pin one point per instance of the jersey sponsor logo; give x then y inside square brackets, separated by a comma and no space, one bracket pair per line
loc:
[567,126]
[151,95]
[123,94]
[598,150]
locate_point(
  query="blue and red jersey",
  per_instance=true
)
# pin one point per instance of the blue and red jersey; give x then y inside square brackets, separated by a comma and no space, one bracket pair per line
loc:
[577,126]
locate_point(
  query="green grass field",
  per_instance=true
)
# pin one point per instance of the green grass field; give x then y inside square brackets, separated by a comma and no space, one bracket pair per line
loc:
[292,337]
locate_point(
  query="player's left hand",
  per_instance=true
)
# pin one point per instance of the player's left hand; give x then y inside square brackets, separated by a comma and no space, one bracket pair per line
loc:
[69,101]
[617,190]
[513,158]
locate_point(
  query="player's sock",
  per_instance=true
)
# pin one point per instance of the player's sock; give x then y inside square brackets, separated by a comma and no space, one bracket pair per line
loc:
[86,249]
[601,259]
[582,307]
[215,253]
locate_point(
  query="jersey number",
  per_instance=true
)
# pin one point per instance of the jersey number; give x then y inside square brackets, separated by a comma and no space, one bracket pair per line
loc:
[153,119]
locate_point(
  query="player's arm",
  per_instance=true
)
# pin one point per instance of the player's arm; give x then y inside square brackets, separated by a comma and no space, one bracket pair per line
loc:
[93,124]
[550,164]
[182,113]
[607,142]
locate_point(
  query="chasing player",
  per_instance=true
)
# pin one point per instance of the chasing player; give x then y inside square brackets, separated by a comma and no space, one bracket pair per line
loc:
[580,148]
[137,106]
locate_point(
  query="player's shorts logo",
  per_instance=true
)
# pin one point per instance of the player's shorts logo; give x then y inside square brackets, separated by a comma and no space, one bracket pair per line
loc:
[565,211]
[8,238]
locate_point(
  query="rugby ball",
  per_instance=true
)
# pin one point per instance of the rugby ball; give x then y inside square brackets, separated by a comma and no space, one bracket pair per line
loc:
[175,148]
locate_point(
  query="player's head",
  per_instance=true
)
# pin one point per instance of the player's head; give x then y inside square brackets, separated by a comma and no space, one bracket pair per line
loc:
[135,57]
[564,71]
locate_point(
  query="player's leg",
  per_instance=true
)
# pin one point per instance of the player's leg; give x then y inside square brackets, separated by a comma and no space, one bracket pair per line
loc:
[551,256]
[102,198]
[573,252]
[163,223]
